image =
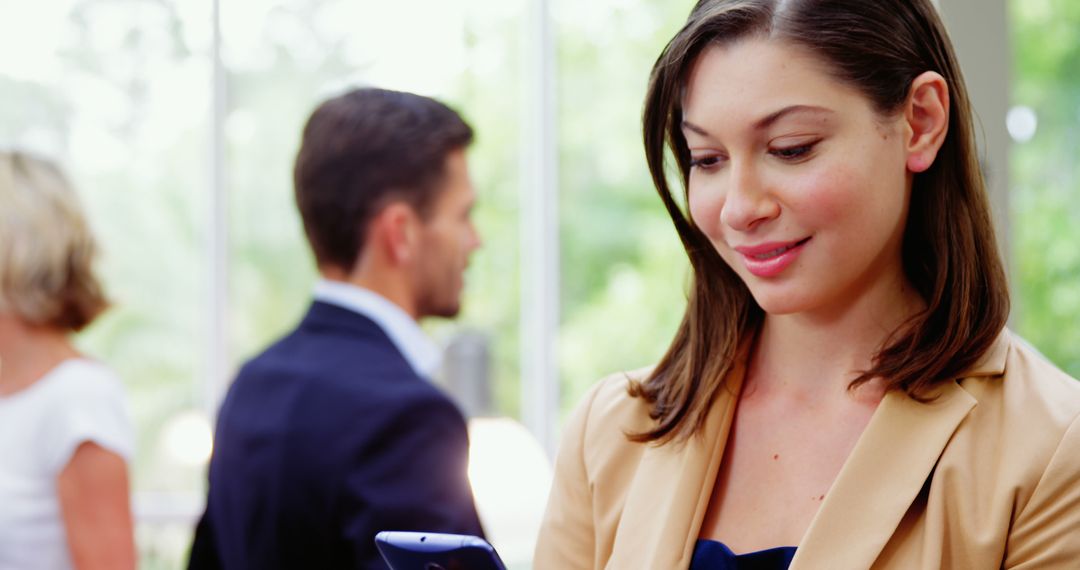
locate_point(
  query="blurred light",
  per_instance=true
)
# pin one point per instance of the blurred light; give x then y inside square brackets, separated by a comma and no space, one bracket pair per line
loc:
[1022,123]
[510,476]
[188,439]
[30,36]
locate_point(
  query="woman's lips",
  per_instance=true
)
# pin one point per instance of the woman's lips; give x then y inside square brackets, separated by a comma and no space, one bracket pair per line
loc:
[771,258]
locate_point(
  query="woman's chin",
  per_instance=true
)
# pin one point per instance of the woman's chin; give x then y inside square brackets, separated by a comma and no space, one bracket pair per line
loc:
[776,304]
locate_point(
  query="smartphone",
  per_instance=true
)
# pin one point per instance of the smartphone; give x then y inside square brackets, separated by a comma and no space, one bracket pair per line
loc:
[436,551]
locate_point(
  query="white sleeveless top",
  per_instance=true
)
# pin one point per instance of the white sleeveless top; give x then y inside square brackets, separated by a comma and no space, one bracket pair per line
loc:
[78,401]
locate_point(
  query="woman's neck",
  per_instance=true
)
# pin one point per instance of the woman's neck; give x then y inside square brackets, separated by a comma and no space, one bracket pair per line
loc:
[822,353]
[28,352]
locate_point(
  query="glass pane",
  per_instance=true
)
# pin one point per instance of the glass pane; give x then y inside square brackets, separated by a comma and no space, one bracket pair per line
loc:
[624,272]
[1045,126]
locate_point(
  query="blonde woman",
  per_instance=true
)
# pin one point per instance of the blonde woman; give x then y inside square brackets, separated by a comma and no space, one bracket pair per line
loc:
[65,435]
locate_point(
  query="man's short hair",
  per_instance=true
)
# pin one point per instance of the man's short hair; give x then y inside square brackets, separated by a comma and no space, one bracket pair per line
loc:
[362,150]
[46,248]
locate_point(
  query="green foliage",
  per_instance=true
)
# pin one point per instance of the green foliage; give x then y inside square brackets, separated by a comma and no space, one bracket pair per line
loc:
[623,269]
[1046,175]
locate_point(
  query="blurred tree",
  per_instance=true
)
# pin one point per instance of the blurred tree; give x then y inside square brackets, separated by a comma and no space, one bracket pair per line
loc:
[1046,178]
[623,268]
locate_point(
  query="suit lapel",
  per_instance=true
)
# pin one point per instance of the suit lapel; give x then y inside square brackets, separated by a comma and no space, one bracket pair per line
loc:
[881,478]
[667,500]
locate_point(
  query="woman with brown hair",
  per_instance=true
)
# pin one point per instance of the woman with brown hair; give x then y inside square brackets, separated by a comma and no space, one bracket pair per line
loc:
[842,392]
[65,434]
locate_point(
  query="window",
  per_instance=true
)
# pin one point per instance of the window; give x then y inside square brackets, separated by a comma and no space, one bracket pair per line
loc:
[187,181]
[1044,123]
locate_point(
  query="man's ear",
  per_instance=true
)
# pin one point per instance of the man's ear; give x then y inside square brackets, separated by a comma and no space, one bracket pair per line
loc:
[926,115]
[396,231]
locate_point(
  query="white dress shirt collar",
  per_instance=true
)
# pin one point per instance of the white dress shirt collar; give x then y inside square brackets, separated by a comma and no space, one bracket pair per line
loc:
[418,349]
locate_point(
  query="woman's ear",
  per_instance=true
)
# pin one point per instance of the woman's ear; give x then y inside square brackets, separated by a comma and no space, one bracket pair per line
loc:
[926,114]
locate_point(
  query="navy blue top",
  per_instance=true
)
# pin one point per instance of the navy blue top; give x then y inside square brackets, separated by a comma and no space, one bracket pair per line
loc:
[713,555]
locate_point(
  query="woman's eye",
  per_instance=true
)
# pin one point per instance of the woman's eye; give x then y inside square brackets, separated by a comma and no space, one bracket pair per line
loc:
[704,162]
[793,152]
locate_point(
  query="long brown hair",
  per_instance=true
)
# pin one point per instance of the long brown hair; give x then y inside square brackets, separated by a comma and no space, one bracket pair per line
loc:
[949,251]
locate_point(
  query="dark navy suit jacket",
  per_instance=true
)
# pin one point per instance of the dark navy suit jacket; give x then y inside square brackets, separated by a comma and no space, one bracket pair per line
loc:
[324,439]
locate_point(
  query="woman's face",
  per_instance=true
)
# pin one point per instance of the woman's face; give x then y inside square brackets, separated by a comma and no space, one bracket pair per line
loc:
[800,185]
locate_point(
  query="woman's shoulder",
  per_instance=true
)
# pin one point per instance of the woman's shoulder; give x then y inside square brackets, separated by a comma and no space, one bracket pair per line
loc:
[74,382]
[597,430]
[1026,415]
[1019,381]
[1019,451]
[610,407]
[84,378]
[78,400]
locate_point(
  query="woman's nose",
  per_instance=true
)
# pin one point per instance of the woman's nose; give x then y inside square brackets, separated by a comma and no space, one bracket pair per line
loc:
[748,201]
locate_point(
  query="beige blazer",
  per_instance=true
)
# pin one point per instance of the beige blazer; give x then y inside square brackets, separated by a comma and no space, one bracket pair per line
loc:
[986,476]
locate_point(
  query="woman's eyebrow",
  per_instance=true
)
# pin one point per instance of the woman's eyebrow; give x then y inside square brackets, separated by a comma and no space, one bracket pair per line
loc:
[688,126]
[766,121]
[771,118]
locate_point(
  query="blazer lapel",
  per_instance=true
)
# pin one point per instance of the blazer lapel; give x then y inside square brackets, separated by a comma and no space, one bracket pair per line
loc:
[886,471]
[881,479]
[666,503]
[895,455]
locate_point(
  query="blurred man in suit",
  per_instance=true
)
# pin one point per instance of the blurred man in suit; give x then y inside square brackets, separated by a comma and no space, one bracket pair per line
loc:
[335,433]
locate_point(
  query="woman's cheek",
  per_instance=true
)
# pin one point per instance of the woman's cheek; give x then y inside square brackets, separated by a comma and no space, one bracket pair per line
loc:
[705,211]
[825,196]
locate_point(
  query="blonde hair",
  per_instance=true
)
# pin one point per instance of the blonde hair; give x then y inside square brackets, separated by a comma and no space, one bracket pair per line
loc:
[46,248]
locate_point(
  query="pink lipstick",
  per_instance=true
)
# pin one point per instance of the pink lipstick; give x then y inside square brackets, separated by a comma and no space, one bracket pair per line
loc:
[769,259]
